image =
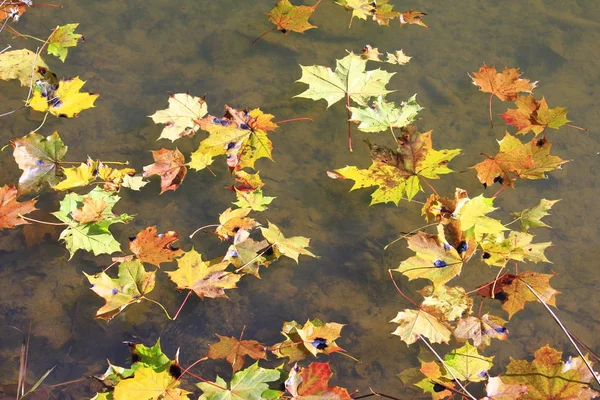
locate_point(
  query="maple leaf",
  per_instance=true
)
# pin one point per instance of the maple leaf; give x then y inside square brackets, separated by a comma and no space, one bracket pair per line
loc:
[383,115]
[290,247]
[170,166]
[61,39]
[449,302]
[535,116]
[249,255]
[532,217]
[312,382]
[397,58]
[235,351]
[254,200]
[434,382]
[240,135]
[384,12]
[231,222]
[204,279]
[518,160]
[412,17]
[548,377]
[115,178]
[288,17]
[91,236]
[435,260]
[496,389]
[360,8]
[39,158]
[481,330]
[370,53]
[82,175]
[512,290]
[181,117]
[21,64]
[472,215]
[467,364]
[313,338]
[397,172]
[132,284]
[12,10]
[151,357]
[153,248]
[248,384]
[506,85]
[66,101]
[416,323]
[148,384]
[11,210]
[498,250]
[93,210]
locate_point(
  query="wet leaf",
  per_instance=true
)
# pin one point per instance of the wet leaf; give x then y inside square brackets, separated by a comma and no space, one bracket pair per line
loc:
[204,279]
[370,53]
[517,246]
[288,17]
[39,158]
[133,182]
[232,221]
[79,176]
[535,116]
[151,357]
[313,338]
[12,11]
[132,284]
[170,166]
[290,247]
[415,323]
[66,101]
[467,364]
[181,117]
[360,8]
[532,217]
[93,210]
[21,64]
[496,389]
[248,384]
[312,382]
[548,377]
[481,330]
[506,85]
[472,215]
[148,384]
[249,254]
[235,351]
[412,17]
[384,115]
[449,302]
[254,200]
[10,208]
[434,382]
[153,248]
[61,39]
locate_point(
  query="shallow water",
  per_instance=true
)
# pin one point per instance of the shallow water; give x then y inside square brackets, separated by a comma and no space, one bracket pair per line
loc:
[135,53]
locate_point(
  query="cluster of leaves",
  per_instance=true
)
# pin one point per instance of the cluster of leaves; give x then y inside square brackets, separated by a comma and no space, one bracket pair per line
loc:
[154,376]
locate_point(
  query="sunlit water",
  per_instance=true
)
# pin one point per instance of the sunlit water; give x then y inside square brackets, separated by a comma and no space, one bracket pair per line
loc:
[137,52]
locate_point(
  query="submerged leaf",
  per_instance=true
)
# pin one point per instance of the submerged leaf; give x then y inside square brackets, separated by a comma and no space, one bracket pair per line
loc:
[11,210]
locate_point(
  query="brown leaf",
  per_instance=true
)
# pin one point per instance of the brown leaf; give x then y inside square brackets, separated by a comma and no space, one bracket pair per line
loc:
[506,85]
[235,351]
[10,208]
[170,166]
[153,248]
[92,211]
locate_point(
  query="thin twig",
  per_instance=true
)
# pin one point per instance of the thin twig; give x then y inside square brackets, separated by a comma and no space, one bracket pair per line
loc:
[182,304]
[202,227]
[576,127]
[495,281]
[6,48]
[400,291]
[42,222]
[292,120]
[31,78]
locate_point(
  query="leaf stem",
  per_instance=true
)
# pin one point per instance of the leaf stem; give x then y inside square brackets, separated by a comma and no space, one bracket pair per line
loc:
[491,123]
[202,227]
[430,187]
[394,135]
[496,281]
[292,120]
[160,305]
[255,257]
[374,393]
[499,191]
[42,124]
[271,349]
[400,291]
[349,122]
[263,35]
[576,127]
[182,304]
[42,222]
[405,235]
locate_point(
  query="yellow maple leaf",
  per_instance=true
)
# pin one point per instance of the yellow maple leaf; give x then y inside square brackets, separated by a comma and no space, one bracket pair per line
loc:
[67,101]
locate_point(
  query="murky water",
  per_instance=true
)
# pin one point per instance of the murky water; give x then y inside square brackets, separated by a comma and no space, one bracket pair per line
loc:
[136,52]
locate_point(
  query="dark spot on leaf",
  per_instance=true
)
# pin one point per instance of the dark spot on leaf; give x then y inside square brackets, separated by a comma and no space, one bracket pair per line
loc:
[438,388]
[114,291]
[540,142]
[462,247]
[440,264]
[486,255]
[230,145]
[320,343]
[499,180]
[244,126]
[500,296]
[175,370]
[500,329]
[39,162]
[132,238]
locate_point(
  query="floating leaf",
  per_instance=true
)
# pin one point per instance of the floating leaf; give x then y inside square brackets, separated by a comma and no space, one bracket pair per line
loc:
[384,115]
[532,217]
[91,236]
[61,39]
[535,116]
[254,200]
[472,216]
[288,17]
[449,302]
[182,116]
[21,64]
[248,384]
[397,172]
[153,248]
[170,166]
[312,383]
[249,255]
[416,323]
[370,53]
[235,351]
[66,101]
[151,357]
[93,210]
[496,389]
[397,58]
[39,158]
[148,384]
[434,382]
[517,246]
[548,377]
[11,209]
[79,176]
[466,364]
[12,10]
[481,330]
[133,182]
[360,8]
[133,283]
[412,17]
[204,279]
[313,338]
[232,221]
[290,247]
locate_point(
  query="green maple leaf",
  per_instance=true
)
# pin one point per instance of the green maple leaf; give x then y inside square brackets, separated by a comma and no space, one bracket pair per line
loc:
[472,215]
[254,200]
[61,39]
[532,217]
[397,172]
[248,384]
[144,356]
[90,236]
[19,64]
[39,158]
[517,246]
[132,284]
[383,115]
[290,247]
[288,17]
[349,80]
[466,364]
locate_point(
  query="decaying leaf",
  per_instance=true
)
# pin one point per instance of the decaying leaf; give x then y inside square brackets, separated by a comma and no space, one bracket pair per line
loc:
[290,247]
[170,166]
[312,383]
[416,323]
[182,116]
[481,330]
[21,64]
[151,247]
[535,116]
[11,209]
[61,39]
[313,338]
[65,101]
[235,351]
[289,18]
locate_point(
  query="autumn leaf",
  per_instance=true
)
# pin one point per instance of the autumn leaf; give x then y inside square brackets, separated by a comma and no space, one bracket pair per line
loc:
[446,301]
[397,58]
[254,200]
[397,172]
[170,166]
[466,364]
[548,377]
[182,116]
[39,158]
[61,39]
[249,255]
[498,249]
[235,351]
[249,384]
[412,17]
[66,101]
[11,210]
[313,338]
[12,10]
[434,383]
[82,175]
[370,53]
[535,116]
[416,323]
[21,64]
[148,384]
[145,356]
[496,389]
[290,247]
[132,284]
[384,115]
[288,17]
[532,217]
[232,221]
[481,330]
[204,279]
[312,382]
[384,12]
[518,160]
[153,248]
[91,236]
[506,85]
[360,8]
